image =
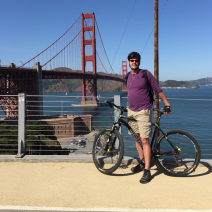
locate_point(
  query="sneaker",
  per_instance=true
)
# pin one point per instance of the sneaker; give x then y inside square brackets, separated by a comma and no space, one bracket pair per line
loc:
[146,177]
[138,168]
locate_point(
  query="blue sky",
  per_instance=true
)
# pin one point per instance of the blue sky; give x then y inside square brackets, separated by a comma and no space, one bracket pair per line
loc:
[185,32]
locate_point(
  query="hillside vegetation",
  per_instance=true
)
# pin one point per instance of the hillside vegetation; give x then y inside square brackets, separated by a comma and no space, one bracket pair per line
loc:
[177,84]
[202,81]
[75,85]
[40,139]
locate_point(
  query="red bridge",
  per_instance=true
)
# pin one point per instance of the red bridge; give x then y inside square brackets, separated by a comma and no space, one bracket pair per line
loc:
[78,53]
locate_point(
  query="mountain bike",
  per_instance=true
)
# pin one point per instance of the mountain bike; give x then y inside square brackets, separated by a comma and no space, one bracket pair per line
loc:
[175,151]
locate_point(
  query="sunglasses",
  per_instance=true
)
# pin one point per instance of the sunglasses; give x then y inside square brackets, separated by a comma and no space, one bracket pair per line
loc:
[134,61]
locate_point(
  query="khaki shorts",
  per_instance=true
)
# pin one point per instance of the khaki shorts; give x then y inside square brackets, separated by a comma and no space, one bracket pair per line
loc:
[143,125]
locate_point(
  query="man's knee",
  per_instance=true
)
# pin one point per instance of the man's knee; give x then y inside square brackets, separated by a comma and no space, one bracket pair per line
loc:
[145,141]
[138,135]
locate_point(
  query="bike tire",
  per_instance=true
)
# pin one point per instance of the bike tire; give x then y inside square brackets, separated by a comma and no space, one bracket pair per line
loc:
[108,161]
[187,158]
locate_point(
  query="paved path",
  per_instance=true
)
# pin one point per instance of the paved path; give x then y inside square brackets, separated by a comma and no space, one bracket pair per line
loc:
[45,209]
[68,186]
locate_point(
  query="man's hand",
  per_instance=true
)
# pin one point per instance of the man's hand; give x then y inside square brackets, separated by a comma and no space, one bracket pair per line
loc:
[126,109]
[167,110]
[165,101]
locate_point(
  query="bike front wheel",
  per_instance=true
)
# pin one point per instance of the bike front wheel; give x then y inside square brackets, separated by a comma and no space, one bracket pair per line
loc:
[108,151]
[179,159]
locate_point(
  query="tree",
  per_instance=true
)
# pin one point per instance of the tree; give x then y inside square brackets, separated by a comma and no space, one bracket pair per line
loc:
[39,139]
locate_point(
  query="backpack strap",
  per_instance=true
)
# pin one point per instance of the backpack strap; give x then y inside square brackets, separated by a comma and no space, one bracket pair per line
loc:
[151,93]
[144,73]
[146,78]
[126,77]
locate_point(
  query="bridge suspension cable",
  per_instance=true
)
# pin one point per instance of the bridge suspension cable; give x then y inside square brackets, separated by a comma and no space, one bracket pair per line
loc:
[111,68]
[45,50]
[66,52]
[124,32]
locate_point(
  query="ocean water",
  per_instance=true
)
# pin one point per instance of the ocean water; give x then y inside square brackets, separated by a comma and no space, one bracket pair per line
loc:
[191,111]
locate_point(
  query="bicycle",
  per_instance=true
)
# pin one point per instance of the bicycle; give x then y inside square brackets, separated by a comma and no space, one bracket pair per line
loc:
[175,151]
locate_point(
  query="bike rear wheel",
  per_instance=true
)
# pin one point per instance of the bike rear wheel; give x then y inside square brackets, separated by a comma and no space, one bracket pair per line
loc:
[180,160]
[108,151]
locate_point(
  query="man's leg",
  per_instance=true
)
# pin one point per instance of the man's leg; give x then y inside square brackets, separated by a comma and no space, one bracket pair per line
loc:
[145,129]
[139,149]
[141,165]
[146,152]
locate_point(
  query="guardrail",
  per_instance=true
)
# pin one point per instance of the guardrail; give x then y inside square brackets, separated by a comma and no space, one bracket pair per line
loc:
[54,124]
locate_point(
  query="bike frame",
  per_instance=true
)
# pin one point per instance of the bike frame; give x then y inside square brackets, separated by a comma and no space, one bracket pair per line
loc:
[178,162]
[155,151]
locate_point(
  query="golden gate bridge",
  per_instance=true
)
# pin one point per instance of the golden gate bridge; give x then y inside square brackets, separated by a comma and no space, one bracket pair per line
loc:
[78,54]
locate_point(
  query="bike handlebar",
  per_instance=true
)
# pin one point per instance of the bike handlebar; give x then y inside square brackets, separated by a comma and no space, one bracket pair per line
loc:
[125,110]
[120,108]
[159,110]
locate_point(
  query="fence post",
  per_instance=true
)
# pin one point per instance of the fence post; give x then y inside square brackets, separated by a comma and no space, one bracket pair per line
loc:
[117,101]
[21,125]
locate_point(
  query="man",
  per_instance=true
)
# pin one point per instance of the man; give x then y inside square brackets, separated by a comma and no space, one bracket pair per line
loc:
[140,104]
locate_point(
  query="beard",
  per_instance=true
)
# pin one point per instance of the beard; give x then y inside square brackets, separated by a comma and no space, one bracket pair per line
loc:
[134,69]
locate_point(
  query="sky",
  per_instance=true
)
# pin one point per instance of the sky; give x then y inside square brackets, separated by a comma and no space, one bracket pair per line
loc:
[185,32]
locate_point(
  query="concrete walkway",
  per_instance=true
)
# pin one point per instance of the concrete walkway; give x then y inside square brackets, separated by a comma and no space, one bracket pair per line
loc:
[61,183]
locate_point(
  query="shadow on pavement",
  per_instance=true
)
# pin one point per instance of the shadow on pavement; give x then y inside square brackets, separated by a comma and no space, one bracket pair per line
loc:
[125,170]
[207,165]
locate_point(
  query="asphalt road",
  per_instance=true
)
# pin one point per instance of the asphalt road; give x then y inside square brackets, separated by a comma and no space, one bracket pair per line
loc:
[66,186]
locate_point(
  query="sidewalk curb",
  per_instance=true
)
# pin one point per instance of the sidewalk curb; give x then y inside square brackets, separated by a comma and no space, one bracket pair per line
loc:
[59,159]
[81,158]
[60,209]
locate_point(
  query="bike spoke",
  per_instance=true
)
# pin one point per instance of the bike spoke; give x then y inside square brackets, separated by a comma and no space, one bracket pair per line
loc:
[107,151]
[182,159]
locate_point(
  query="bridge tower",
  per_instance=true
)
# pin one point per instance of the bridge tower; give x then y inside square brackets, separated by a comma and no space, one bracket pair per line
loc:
[124,73]
[89,86]
[20,80]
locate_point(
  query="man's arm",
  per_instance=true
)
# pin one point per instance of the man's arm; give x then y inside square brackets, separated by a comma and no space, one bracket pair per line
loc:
[163,97]
[165,101]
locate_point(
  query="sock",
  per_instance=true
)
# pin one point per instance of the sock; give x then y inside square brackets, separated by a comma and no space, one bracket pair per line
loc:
[142,163]
[147,170]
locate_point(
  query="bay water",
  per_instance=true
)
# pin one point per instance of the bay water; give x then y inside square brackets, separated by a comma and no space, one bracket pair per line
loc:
[191,111]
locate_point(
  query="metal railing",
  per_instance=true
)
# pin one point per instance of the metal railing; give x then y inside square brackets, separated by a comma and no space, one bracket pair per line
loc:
[54,124]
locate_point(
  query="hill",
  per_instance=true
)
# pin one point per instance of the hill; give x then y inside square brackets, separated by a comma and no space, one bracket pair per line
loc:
[74,85]
[201,81]
[177,84]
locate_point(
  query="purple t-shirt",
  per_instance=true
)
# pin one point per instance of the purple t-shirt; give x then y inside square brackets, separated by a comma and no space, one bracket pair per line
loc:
[138,93]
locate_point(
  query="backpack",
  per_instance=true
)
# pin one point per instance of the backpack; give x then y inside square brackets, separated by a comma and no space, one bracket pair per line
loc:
[151,92]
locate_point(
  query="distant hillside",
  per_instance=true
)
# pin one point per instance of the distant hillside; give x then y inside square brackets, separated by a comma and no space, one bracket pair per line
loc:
[60,85]
[73,85]
[202,81]
[177,84]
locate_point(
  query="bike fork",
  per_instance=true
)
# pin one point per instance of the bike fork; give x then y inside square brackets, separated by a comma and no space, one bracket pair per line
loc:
[107,148]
